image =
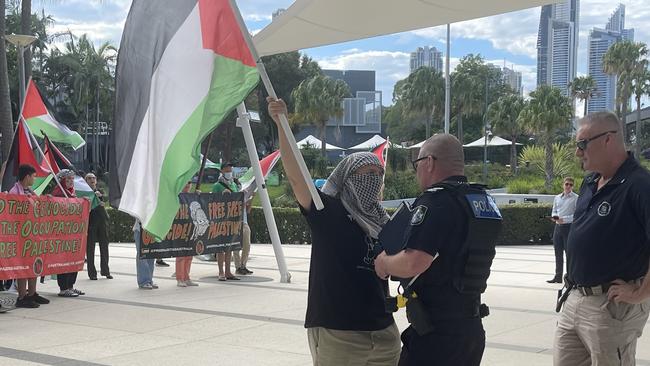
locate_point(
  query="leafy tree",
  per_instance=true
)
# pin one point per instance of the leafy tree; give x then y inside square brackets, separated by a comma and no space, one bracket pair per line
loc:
[422,92]
[504,117]
[317,99]
[640,87]
[6,125]
[622,59]
[583,88]
[546,112]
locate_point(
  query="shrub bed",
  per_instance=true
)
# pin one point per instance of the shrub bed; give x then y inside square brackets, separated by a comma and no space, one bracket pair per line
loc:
[522,223]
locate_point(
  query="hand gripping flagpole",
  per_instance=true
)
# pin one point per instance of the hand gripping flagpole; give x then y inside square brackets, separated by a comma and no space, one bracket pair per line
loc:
[243,122]
[286,129]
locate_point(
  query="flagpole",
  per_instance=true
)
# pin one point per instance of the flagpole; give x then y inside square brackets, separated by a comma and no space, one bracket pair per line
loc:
[284,122]
[205,158]
[42,154]
[243,122]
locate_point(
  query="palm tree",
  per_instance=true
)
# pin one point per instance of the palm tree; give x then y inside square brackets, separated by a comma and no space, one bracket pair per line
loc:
[316,100]
[546,112]
[468,85]
[423,92]
[6,123]
[583,88]
[621,59]
[641,87]
[504,116]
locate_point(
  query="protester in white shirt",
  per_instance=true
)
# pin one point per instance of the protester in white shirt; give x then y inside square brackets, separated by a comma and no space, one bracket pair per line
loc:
[564,205]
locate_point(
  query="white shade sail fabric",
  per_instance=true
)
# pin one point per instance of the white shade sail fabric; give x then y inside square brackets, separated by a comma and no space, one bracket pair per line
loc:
[313,23]
[371,143]
[494,141]
[316,144]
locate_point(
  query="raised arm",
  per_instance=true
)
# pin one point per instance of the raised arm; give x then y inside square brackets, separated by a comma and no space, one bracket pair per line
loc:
[298,184]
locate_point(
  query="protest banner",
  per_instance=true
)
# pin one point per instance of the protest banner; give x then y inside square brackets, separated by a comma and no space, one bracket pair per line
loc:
[41,235]
[205,223]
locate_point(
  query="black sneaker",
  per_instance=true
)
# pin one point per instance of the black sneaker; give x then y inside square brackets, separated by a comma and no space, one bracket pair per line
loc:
[248,271]
[161,263]
[39,299]
[241,271]
[26,302]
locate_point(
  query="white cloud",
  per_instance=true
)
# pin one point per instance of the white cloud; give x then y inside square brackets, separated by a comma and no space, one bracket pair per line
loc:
[257,17]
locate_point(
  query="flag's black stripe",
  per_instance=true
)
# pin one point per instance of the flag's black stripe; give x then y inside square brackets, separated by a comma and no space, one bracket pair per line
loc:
[149,28]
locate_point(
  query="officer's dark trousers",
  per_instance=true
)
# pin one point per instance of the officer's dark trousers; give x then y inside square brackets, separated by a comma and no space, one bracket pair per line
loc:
[66,281]
[453,343]
[560,236]
[97,233]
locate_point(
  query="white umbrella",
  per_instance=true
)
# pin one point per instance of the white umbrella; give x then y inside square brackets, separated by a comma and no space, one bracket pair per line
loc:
[316,144]
[371,143]
[313,23]
[494,141]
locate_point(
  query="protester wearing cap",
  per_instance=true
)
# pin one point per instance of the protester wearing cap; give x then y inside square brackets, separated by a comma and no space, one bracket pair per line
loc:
[27,295]
[608,252]
[346,320]
[66,281]
[97,232]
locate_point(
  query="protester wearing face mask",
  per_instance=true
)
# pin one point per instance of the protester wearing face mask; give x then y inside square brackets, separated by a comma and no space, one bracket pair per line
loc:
[346,319]
[226,184]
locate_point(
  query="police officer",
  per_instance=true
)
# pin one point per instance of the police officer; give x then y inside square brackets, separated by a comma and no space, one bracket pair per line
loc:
[607,290]
[451,231]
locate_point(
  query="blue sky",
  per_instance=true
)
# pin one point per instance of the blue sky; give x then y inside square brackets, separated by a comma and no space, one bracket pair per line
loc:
[510,37]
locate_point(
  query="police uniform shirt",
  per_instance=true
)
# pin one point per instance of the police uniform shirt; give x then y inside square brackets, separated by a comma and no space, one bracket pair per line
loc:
[438,226]
[344,291]
[610,234]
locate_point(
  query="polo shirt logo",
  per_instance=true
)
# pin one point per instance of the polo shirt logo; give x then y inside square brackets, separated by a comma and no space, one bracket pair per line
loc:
[604,209]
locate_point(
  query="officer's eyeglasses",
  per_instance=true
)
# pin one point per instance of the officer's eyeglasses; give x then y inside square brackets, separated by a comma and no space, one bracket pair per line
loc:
[582,144]
[417,161]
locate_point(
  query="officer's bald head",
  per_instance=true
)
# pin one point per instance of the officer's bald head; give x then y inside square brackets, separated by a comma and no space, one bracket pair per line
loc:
[449,158]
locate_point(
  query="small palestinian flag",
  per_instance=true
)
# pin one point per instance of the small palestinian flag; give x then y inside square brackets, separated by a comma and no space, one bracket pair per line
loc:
[183,66]
[382,152]
[248,179]
[40,121]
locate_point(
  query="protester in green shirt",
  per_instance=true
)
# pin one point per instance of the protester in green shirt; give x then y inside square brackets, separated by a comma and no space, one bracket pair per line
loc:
[226,184]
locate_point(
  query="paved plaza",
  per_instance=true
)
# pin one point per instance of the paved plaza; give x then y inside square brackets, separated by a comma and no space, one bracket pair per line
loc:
[256,321]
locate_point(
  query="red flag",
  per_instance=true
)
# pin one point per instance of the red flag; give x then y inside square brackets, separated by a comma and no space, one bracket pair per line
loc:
[55,157]
[22,152]
[382,152]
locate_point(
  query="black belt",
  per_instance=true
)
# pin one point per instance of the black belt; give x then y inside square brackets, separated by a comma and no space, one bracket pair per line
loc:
[593,290]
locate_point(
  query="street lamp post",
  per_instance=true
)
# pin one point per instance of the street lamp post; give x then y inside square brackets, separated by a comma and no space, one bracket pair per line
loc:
[485,133]
[21,41]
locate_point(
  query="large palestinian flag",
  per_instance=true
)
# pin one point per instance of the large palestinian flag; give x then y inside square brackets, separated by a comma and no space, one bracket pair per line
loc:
[183,66]
[40,120]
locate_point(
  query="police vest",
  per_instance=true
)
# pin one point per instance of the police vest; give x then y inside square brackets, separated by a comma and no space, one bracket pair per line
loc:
[471,268]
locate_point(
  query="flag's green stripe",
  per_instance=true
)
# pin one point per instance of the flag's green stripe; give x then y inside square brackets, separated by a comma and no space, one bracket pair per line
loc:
[94,201]
[40,183]
[231,83]
[36,125]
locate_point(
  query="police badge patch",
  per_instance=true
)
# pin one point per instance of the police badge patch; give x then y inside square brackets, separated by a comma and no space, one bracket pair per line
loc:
[604,209]
[418,215]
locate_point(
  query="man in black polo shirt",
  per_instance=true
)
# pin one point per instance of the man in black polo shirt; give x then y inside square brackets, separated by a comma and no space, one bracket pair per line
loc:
[608,252]
[346,321]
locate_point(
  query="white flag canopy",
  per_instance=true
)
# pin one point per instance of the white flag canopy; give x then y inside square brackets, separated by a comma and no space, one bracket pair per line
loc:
[314,23]
[371,143]
[494,141]
[316,144]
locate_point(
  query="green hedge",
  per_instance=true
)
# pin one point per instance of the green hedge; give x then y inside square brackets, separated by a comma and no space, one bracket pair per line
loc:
[521,224]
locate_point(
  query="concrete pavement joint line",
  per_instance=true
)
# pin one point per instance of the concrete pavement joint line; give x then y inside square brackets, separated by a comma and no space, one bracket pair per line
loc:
[267,319]
[239,283]
[17,354]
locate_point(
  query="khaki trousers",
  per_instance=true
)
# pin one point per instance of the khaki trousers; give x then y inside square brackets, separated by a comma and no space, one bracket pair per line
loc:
[331,347]
[241,261]
[594,331]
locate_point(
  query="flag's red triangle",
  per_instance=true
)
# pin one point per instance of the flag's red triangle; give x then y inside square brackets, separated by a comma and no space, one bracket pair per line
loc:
[26,152]
[381,152]
[269,162]
[55,157]
[34,105]
[221,32]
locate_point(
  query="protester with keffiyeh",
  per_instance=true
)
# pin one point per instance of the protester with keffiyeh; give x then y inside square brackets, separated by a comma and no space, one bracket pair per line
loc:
[346,319]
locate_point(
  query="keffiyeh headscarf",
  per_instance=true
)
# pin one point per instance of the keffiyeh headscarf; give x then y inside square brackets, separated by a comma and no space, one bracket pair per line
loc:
[359,192]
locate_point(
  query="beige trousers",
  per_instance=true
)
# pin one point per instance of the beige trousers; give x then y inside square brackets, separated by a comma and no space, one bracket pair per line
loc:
[240,261]
[594,331]
[331,347]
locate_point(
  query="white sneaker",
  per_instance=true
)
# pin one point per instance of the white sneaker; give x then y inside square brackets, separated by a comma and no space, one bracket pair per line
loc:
[190,283]
[181,283]
[146,286]
[154,286]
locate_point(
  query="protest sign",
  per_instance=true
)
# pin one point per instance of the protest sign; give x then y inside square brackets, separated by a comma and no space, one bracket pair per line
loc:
[41,235]
[205,223]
